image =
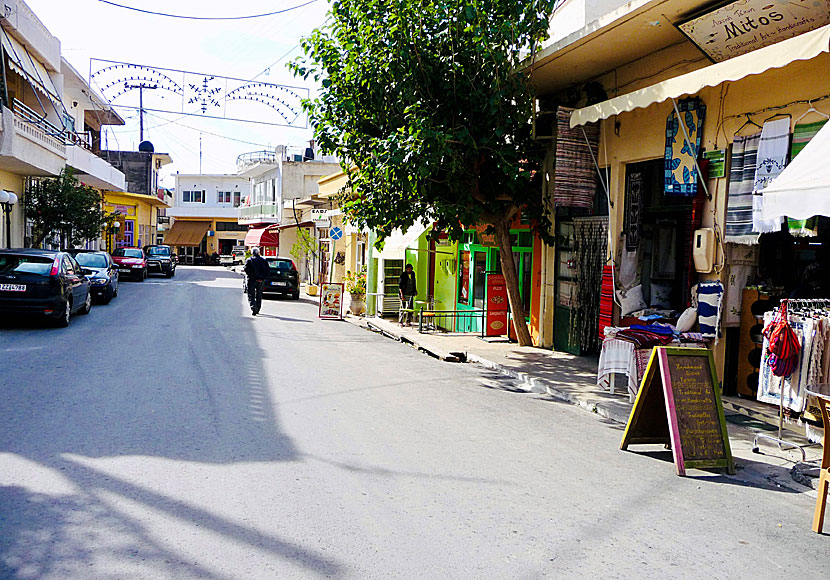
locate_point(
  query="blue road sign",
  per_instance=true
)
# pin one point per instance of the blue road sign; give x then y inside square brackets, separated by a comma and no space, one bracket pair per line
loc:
[335,233]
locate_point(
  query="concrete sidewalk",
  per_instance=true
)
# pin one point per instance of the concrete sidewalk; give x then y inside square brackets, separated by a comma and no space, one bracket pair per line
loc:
[573,379]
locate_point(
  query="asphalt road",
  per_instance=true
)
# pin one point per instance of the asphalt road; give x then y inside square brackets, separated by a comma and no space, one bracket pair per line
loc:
[171,435]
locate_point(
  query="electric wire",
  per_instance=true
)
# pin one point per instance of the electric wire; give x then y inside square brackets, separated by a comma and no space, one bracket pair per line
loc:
[189,17]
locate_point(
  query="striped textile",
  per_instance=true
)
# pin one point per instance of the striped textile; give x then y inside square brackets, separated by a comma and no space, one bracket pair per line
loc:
[802,133]
[575,178]
[606,300]
[741,181]
[709,298]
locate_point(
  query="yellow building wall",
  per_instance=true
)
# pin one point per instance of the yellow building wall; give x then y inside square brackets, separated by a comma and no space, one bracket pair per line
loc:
[642,133]
[143,215]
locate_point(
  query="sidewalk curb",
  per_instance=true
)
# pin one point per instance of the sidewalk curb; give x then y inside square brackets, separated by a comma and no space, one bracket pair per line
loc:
[431,351]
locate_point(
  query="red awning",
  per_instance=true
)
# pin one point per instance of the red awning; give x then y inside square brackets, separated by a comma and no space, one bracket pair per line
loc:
[264,236]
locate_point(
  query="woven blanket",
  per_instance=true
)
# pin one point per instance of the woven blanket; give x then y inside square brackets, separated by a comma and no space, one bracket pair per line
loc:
[709,299]
[680,168]
[606,300]
[741,181]
[802,133]
[770,162]
[575,176]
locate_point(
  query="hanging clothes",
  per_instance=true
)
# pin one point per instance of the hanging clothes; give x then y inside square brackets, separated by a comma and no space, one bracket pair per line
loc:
[709,299]
[575,175]
[606,300]
[739,200]
[742,267]
[770,162]
[792,388]
[802,133]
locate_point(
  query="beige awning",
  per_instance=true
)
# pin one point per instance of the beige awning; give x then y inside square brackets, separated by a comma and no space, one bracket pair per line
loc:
[804,47]
[184,233]
[26,65]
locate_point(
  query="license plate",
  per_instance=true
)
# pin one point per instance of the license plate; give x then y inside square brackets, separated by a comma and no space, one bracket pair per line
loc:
[279,284]
[13,287]
[123,270]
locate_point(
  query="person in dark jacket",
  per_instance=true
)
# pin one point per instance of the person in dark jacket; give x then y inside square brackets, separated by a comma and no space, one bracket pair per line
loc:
[407,290]
[256,271]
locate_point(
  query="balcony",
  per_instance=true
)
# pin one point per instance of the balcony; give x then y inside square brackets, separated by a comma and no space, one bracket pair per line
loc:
[262,213]
[31,147]
[248,160]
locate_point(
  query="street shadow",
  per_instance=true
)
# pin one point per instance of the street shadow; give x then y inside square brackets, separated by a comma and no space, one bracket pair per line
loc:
[284,318]
[135,385]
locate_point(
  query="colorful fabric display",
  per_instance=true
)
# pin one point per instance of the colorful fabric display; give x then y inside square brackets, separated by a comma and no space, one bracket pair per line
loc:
[680,168]
[575,176]
[709,298]
[606,300]
[741,181]
[644,338]
[802,133]
[770,162]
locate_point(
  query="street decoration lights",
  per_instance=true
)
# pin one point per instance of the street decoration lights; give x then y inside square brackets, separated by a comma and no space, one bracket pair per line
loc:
[8,199]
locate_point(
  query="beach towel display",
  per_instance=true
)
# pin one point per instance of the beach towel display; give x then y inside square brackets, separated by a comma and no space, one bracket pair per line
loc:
[802,133]
[575,176]
[709,299]
[773,149]
[739,199]
[680,167]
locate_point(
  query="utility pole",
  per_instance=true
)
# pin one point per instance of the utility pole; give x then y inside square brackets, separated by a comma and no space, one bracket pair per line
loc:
[141,87]
[200,152]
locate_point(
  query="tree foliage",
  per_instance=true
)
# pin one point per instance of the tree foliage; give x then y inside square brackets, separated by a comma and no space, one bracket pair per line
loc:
[62,206]
[424,98]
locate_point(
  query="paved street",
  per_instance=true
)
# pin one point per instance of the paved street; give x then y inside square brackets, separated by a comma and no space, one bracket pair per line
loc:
[171,435]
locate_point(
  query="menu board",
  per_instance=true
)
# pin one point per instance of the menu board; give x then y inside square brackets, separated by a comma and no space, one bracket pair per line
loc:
[331,300]
[686,413]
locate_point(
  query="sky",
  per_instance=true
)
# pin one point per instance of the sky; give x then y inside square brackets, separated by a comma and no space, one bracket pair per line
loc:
[244,49]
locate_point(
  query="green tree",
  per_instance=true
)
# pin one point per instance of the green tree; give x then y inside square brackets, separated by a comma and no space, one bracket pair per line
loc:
[305,248]
[428,101]
[65,207]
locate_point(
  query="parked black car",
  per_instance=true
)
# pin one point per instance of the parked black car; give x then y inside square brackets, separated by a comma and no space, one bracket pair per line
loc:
[101,271]
[283,279]
[43,283]
[160,259]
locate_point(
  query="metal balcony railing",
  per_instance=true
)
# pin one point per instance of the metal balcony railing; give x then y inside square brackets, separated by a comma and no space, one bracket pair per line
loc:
[246,160]
[265,210]
[31,116]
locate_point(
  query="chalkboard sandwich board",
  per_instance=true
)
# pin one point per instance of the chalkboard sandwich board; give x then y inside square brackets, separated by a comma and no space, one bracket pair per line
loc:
[684,411]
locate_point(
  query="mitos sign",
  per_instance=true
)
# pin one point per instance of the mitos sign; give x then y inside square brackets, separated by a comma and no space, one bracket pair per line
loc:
[746,25]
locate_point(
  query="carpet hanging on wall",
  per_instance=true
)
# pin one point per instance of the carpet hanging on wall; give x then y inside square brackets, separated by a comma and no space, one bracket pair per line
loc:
[606,300]
[575,178]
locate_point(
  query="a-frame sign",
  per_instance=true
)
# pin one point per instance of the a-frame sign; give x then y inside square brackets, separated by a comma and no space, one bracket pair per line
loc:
[683,411]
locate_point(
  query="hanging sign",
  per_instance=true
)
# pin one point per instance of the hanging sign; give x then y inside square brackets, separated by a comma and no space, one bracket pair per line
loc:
[717,162]
[331,301]
[746,25]
[679,405]
[318,216]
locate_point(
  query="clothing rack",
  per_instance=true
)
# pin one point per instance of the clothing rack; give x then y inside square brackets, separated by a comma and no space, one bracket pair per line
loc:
[819,302]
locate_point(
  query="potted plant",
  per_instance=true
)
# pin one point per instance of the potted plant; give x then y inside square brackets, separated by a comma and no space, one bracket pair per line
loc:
[356,287]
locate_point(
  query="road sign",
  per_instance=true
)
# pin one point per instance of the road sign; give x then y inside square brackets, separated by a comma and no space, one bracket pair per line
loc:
[335,233]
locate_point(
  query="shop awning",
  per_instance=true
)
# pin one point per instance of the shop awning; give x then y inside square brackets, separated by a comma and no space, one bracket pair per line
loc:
[186,233]
[264,236]
[394,248]
[23,63]
[803,188]
[803,47]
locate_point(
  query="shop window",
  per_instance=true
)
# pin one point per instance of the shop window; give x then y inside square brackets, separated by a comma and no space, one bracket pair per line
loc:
[479,278]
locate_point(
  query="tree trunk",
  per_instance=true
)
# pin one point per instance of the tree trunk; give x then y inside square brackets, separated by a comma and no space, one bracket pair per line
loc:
[511,278]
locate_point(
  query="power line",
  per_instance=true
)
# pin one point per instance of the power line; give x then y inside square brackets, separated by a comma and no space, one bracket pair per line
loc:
[187,17]
[173,122]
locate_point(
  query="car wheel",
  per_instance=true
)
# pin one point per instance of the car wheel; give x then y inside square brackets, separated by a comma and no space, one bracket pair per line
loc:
[63,319]
[87,304]
[139,277]
[108,295]
[144,274]
[114,291]
[295,296]
[169,274]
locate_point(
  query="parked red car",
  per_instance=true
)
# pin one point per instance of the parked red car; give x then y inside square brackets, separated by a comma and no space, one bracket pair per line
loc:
[131,262]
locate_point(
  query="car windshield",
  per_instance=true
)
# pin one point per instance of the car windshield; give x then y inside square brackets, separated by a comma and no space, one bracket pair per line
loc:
[91,260]
[281,264]
[25,264]
[159,251]
[127,253]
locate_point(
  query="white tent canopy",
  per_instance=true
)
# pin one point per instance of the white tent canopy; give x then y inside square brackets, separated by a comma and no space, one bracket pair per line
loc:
[803,188]
[395,246]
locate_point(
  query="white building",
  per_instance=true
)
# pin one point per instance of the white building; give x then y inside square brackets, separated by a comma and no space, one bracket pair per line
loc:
[205,214]
[49,116]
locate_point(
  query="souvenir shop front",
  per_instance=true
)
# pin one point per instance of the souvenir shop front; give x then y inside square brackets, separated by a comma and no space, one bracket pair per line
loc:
[701,252]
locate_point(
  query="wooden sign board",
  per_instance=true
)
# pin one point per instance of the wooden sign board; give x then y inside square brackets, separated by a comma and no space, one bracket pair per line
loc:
[685,411]
[331,301]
